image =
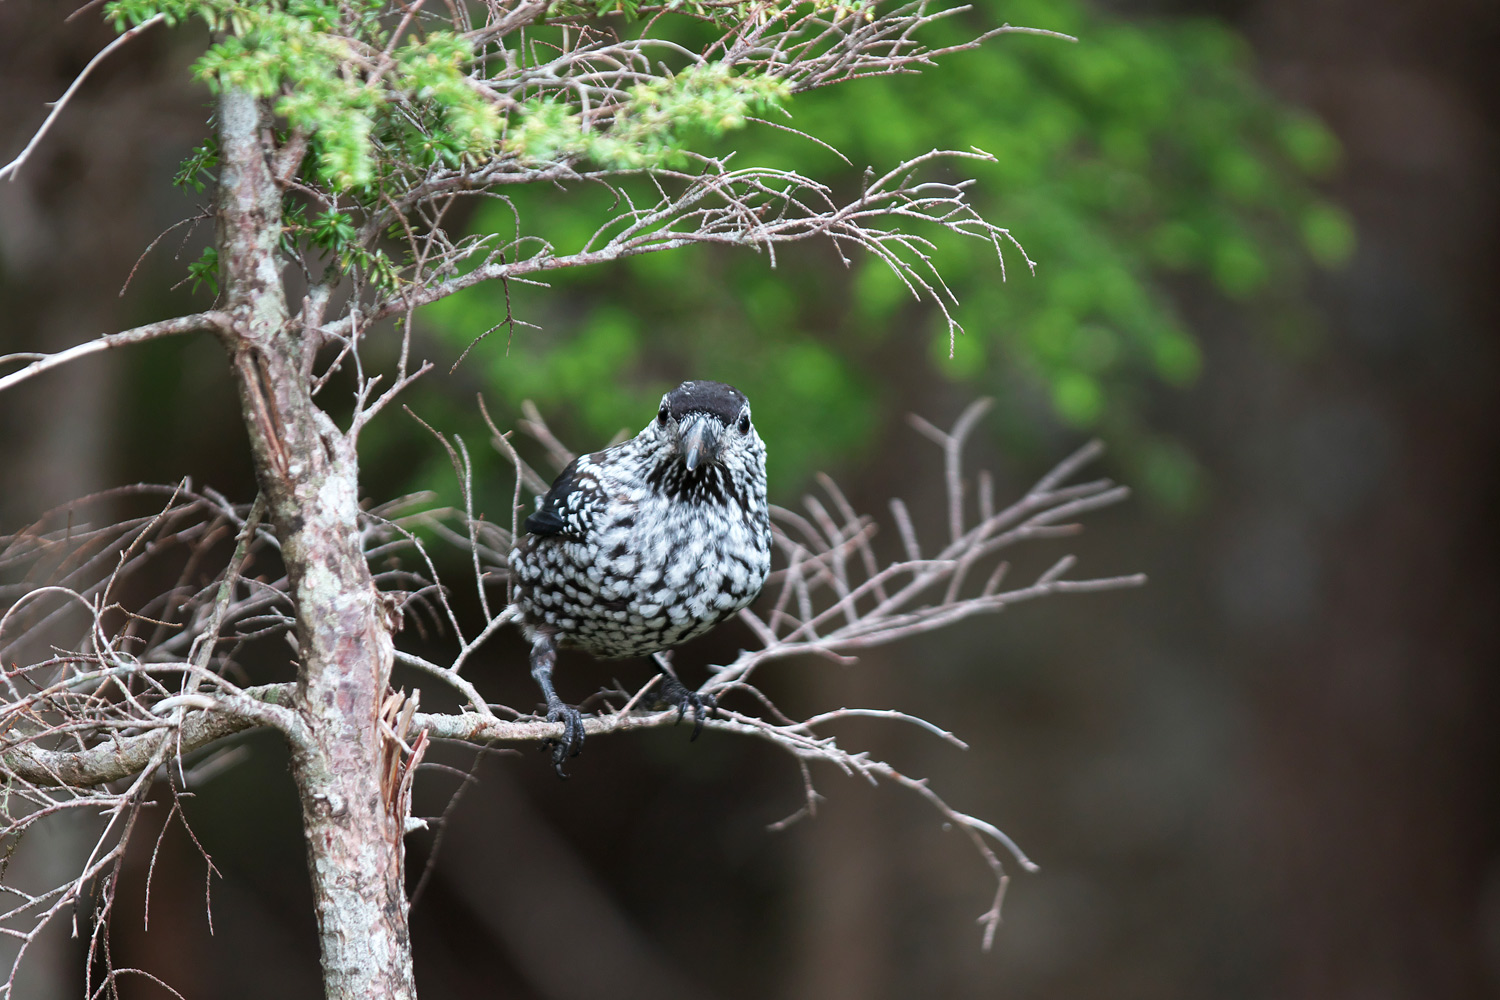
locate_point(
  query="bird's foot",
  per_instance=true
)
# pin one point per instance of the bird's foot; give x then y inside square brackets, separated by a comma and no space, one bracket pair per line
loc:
[571,743]
[674,692]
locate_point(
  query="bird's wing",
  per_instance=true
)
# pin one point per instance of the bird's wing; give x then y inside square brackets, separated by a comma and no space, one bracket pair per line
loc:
[554,510]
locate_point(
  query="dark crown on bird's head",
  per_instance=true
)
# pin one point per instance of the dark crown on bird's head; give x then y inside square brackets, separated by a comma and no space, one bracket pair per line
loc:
[703,422]
[713,398]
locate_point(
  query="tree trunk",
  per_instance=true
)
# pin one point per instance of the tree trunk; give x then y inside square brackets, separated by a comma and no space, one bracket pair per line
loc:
[308,471]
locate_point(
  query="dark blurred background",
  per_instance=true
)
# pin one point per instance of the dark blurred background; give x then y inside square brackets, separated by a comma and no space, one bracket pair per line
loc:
[1267,246]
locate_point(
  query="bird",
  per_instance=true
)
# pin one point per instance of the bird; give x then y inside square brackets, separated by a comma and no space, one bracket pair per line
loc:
[646,544]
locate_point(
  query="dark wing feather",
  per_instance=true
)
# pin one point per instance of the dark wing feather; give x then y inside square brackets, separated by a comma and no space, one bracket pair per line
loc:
[551,513]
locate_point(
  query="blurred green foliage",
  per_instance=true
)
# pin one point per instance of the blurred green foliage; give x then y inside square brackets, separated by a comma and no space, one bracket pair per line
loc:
[369,117]
[1144,153]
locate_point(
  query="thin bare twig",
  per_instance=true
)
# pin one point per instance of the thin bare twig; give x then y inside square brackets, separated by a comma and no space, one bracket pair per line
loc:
[217,321]
[14,166]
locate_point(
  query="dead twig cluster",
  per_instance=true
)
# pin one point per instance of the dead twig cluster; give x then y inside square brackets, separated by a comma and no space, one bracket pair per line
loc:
[832,595]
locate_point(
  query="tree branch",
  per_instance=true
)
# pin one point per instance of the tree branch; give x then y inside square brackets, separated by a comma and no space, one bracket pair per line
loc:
[14,166]
[760,208]
[213,718]
[219,322]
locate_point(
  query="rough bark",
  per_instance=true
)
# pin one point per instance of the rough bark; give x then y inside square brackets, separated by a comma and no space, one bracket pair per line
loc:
[309,473]
[127,756]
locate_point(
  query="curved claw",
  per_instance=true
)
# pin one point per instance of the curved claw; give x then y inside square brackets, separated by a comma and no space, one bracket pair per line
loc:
[571,744]
[674,692]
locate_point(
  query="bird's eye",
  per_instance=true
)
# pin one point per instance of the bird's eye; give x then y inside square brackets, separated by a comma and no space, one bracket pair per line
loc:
[744,423]
[661,414]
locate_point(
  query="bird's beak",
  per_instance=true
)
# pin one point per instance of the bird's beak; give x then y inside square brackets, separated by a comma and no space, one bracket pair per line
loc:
[698,440]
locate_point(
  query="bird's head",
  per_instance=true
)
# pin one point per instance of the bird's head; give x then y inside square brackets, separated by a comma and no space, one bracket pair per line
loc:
[705,422]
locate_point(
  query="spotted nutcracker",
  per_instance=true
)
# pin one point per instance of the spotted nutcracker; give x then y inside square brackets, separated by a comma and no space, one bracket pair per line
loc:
[646,544]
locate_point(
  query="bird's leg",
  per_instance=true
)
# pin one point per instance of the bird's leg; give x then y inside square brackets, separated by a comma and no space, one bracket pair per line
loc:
[543,659]
[674,692]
